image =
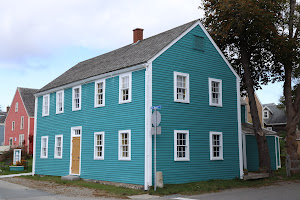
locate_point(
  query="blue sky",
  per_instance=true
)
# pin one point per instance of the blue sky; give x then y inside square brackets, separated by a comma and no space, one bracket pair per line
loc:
[42,39]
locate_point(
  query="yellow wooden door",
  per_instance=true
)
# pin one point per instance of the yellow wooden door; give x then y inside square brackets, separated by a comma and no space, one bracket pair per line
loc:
[75,155]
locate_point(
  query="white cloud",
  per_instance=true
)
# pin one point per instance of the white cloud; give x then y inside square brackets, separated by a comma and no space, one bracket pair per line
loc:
[38,29]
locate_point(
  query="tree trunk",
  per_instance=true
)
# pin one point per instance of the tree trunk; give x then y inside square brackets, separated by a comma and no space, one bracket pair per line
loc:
[261,140]
[292,115]
[292,108]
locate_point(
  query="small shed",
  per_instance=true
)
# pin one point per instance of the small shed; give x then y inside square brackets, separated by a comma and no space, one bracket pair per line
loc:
[250,151]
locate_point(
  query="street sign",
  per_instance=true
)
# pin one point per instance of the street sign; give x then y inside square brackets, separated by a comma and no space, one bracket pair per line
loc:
[156,118]
[158,130]
[155,107]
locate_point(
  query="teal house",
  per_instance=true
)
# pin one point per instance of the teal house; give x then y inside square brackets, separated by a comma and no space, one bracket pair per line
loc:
[250,150]
[94,120]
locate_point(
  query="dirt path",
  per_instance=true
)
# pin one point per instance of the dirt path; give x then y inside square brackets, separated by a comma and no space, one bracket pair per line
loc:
[55,188]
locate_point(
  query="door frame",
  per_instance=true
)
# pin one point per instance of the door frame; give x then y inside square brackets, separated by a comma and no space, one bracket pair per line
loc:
[71,147]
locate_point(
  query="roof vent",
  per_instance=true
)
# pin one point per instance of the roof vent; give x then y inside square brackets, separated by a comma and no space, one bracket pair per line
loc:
[137,34]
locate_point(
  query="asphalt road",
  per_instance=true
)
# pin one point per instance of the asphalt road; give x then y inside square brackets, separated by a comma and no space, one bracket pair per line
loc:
[17,192]
[289,191]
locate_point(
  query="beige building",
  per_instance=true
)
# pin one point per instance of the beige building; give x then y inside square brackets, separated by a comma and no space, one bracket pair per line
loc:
[259,108]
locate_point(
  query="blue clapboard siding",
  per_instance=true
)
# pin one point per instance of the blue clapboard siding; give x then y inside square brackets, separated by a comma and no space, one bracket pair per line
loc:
[252,152]
[110,119]
[1,135]
[197,116]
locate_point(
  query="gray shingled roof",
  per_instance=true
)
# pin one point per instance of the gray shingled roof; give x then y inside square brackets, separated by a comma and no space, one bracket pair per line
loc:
[130,55]
[2,117]
[248,128]
[277,117]
[27,95]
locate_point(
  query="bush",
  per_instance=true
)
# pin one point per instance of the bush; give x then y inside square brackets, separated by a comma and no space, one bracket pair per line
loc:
[8,155]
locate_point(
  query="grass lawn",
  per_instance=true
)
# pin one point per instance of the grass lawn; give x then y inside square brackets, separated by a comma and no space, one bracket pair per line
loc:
[185,189]
[7,172]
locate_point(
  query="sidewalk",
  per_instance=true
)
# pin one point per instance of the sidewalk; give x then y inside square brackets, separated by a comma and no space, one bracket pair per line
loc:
[15,175]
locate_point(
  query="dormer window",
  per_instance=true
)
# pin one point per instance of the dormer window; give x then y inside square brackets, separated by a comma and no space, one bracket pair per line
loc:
[266,114]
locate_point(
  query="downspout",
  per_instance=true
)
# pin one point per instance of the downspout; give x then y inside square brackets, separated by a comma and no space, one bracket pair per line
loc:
[34,136]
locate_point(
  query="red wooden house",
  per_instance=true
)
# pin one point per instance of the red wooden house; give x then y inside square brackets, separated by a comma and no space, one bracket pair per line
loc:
[19,124]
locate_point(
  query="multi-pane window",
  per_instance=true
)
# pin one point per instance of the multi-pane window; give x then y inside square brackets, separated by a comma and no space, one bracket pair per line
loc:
[58,146]
[266,114]
[125,87]
[11,141]
[13,125]
[21,139]
[46,99]
[17,107]
[181,87]
[215,92]
[100,93]
[59,102]
[22,123]
[99,146]
[216,146]
[125,145]
[76,105]
[44,147]
[181,145]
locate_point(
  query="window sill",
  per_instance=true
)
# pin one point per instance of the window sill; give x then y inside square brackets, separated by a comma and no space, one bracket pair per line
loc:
[216,105]
[181,101]
[98,158]
[181,159]
[97,106]
[125,159]
[216,159]
[122,102]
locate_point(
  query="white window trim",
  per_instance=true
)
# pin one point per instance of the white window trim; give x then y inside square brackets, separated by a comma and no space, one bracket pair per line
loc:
[96,93]
[57,101]
[13,125]
[22,123]
[43,112]
[129,145]
[187,153]
[187,99]
[220,104]
[42,147]
[211,133]
[130,88]
[55,145]
[269,128]
[266,111]
[22,139]
[73,97]
[103,145]
[17,107]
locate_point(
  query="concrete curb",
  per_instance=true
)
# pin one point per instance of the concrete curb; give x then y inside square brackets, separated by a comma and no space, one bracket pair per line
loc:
[14,175]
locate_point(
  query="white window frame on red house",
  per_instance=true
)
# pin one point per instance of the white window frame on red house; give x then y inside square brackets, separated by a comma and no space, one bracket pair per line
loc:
[21,140]
[22,123]
[13,125]
[17,107]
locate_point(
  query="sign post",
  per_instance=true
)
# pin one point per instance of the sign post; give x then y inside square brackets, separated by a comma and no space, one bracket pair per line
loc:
[156,118]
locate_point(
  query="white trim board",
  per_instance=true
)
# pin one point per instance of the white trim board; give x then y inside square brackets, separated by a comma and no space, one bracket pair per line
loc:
[71,147]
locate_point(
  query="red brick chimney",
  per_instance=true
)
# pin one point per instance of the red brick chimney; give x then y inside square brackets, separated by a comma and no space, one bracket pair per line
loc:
[137,34]
[7,109]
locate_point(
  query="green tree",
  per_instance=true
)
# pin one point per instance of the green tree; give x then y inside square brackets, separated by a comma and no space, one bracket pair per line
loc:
[244,30]
[287,52]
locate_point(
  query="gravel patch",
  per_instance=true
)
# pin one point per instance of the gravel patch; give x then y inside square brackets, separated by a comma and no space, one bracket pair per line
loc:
[54,188]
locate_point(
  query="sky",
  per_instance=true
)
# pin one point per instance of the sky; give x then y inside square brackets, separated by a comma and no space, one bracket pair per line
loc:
[39,40]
